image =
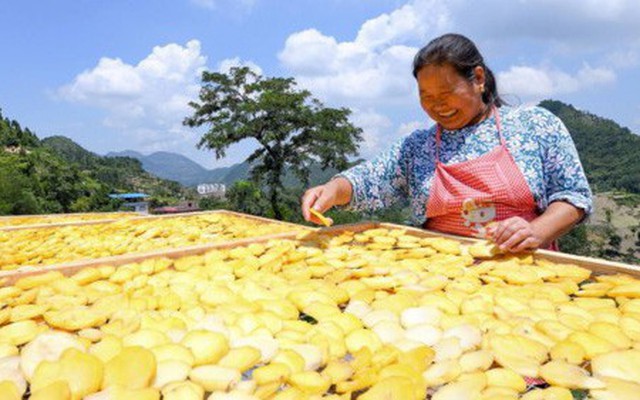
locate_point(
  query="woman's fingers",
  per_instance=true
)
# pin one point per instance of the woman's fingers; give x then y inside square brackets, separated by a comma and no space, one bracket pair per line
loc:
[320,198]
[515,239]
[308,200]
[515,235]
[505,229]
[530,243]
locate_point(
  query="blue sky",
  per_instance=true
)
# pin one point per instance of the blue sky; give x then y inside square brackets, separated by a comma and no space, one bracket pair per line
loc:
[116,75]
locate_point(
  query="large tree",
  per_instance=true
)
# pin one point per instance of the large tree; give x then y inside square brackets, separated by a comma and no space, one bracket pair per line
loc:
[292,128]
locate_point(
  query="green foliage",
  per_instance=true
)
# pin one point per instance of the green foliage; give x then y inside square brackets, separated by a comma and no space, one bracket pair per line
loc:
[57,175]
[213,203]
[16,193]
[609,155]
[114,171]
[292,128]
[576,241]
[246,197]
[12,135]
[609,152]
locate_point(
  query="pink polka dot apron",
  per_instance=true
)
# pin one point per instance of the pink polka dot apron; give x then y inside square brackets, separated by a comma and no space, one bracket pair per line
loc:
[465,197]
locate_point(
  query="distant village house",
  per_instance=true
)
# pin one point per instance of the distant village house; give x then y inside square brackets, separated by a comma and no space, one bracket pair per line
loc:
[138,201]
[216,190]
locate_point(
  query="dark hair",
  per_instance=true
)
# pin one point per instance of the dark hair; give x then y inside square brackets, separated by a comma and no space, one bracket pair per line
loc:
[461,53]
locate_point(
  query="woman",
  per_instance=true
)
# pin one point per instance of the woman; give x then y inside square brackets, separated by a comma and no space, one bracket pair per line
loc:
[485,169]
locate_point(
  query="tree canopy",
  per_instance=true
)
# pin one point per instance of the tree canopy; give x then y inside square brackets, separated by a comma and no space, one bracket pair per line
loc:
[292,128]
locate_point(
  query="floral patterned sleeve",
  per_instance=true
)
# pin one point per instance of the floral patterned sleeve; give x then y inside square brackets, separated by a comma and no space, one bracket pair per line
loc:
[380,182]
[564,177]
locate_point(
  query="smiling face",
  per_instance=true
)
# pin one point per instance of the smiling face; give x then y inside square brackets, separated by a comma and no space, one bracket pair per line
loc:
[450,99]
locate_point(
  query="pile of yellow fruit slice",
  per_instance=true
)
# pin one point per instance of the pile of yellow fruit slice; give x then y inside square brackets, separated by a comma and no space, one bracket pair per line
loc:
[45,246]
[62,218]
[377,314]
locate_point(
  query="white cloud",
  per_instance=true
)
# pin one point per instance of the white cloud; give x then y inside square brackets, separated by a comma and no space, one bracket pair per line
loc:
[538,82]
[409,127]
[378,133]
[146,102]
[588,76]
[111,77]
[374,127]
[347,72]
[413,21]
[170,72]
[376,66]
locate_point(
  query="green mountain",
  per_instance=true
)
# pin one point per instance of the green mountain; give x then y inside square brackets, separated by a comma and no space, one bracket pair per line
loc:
[125,174]
[57,175]
[167,165]
[608,151]
[609,155]
[177,167]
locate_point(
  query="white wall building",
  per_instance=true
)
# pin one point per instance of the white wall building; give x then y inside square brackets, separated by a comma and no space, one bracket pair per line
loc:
[212,190]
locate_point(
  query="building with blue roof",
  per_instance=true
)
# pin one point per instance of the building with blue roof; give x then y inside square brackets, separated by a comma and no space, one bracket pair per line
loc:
[137,201]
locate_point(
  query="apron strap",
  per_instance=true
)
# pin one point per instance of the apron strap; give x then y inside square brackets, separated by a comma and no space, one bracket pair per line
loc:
[496,114]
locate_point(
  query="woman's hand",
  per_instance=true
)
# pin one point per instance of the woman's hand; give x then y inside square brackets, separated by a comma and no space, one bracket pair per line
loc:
[321,198]
[515,234]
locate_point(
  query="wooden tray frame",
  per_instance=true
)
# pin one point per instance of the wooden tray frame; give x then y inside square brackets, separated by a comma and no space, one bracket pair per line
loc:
[5,217]
[598,266]
[108,217]
[10,275]
[144,217]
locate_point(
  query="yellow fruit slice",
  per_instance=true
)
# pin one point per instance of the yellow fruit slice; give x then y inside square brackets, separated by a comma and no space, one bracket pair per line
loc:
[561,373]
[274,372]
[215,377]
[48,346]
[9,391]
[207,347]
[58,390]
[550,393]
[620,364]
[132,368]
[18,333]
[394,387]
[241,358]
[82,372]
[325,221]
[310,382]
[182,391]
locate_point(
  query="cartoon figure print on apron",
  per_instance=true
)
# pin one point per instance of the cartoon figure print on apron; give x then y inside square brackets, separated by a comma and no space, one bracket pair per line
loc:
[465,197]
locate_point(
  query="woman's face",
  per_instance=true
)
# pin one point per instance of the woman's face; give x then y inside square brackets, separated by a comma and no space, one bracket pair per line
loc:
[450,99]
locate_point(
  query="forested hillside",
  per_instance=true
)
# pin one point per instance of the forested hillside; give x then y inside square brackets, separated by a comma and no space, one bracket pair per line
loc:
[56,175]
[610,153]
